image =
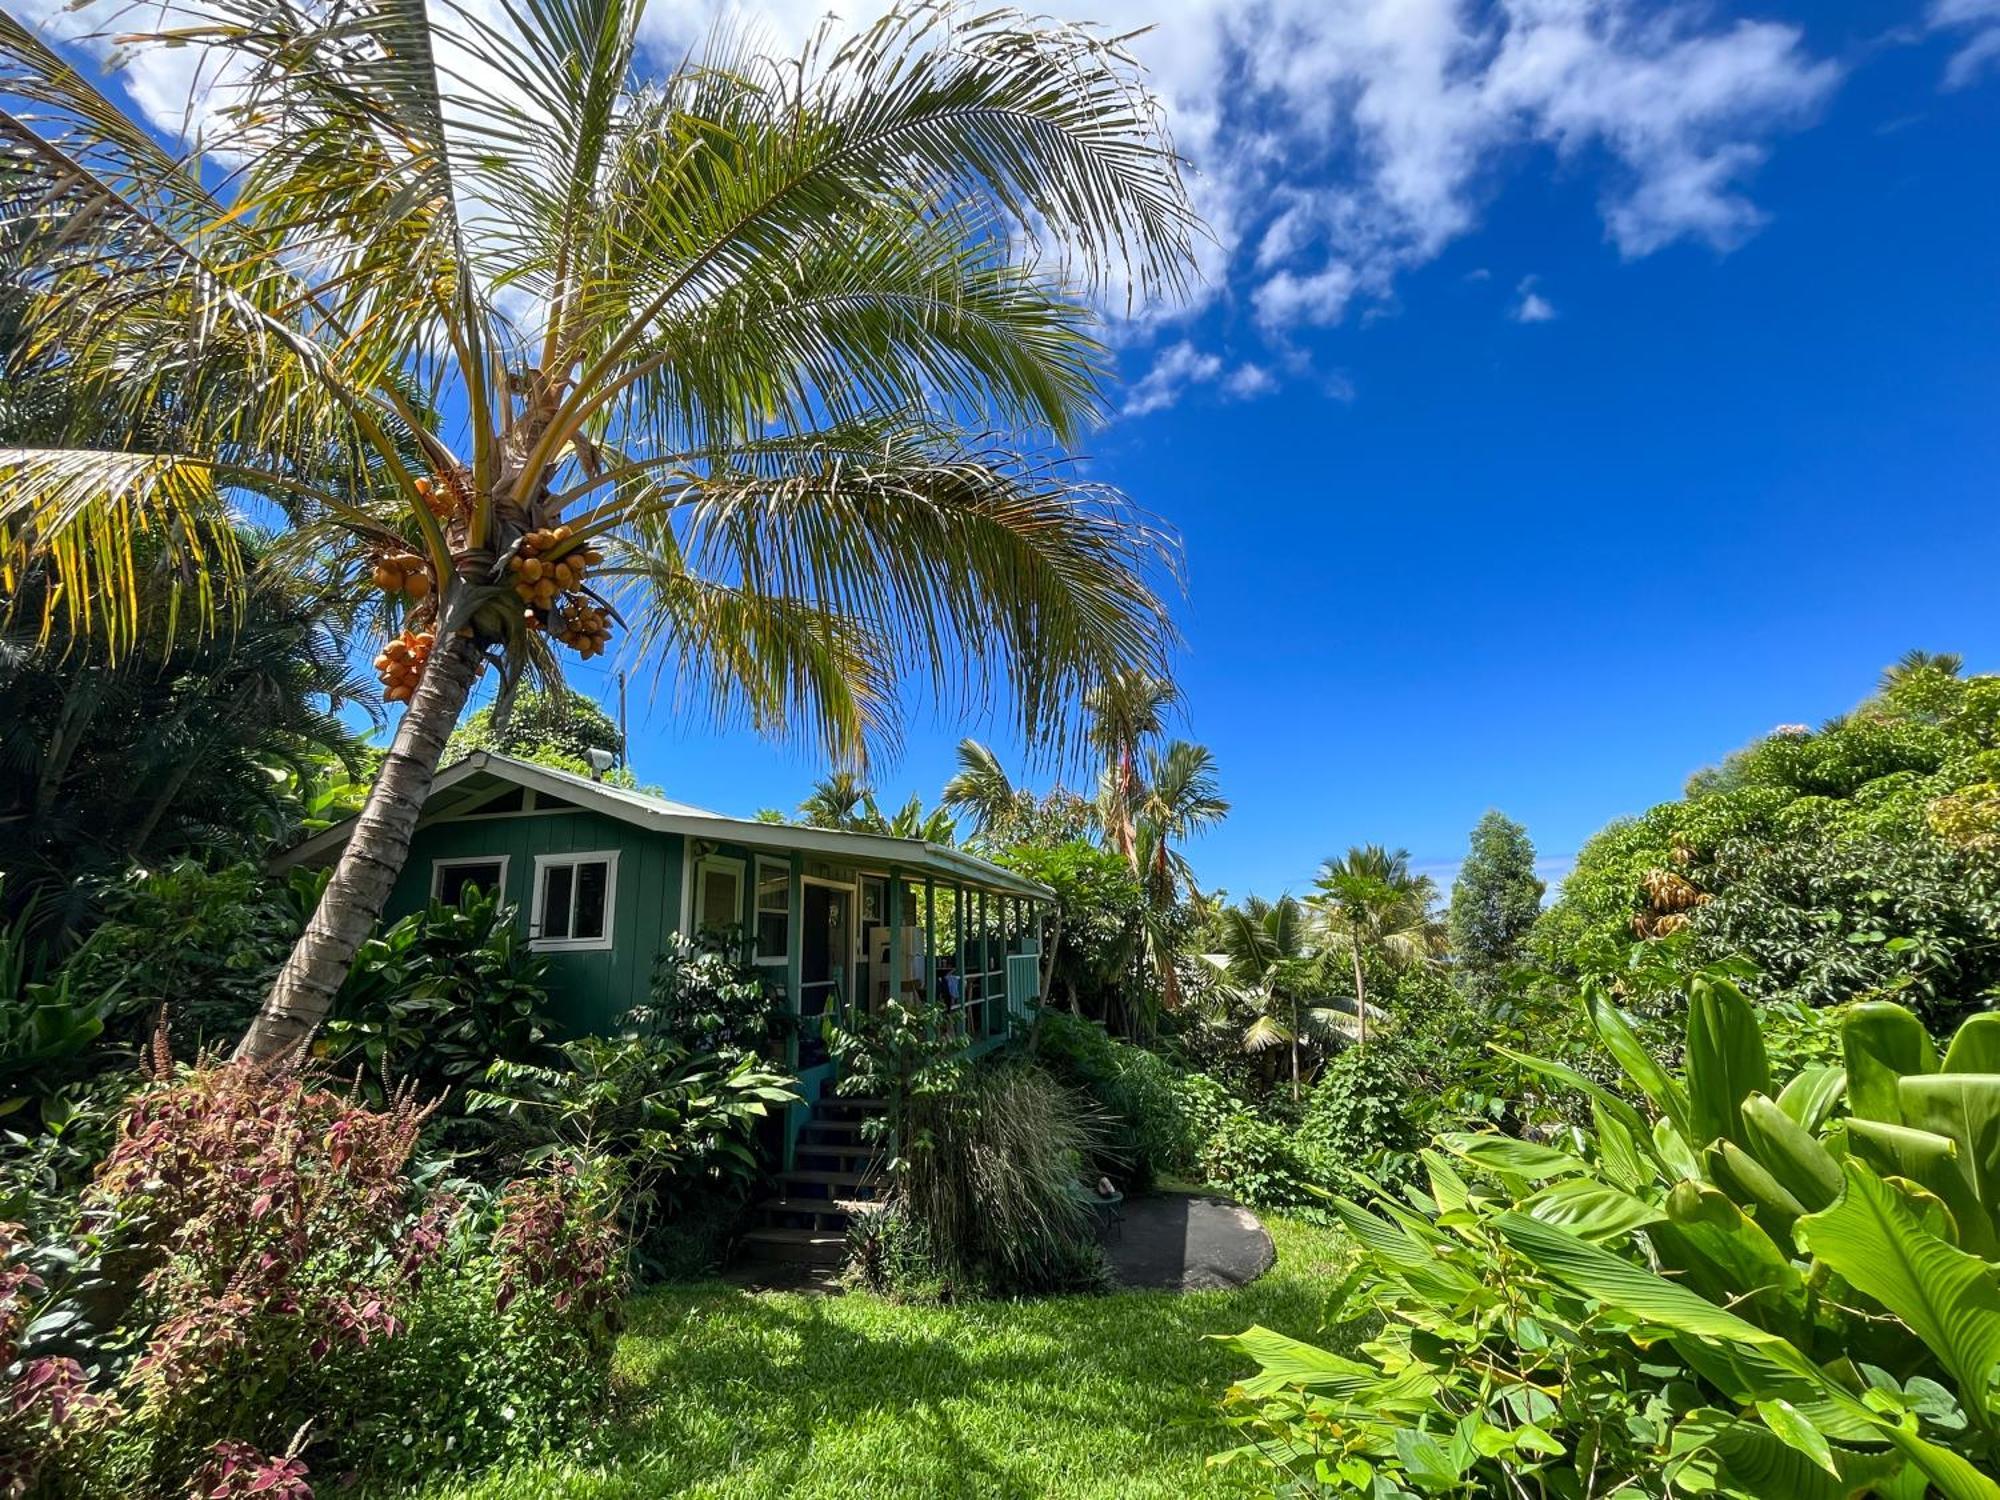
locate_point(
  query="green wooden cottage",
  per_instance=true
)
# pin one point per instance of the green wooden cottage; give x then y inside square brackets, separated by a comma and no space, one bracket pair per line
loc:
[601,875]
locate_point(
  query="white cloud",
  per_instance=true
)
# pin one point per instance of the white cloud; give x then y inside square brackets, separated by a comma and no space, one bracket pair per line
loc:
[1177,367]
[1247,382]
[1981,50]
[1530,306]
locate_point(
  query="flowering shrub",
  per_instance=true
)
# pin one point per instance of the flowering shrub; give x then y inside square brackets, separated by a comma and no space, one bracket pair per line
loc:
[292,1299]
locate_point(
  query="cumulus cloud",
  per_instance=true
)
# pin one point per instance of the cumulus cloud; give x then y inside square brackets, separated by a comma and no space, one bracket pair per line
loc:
[1177,367]
[1530,306]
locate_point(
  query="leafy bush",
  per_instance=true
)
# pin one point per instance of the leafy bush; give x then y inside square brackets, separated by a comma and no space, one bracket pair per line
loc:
[713,1002]
[1139,1093]
[438,997]
[286,1294]
[1751,1294]
[675,1122]
[1358,1118]
[1256,1161]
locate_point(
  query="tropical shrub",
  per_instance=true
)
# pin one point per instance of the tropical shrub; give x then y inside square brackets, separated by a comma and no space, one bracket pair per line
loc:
[438,997]
[1098,964]
[1358,1118]
[286,1298]
[1258,1162]
[1138,1093]
[1855,861]
[676,1123]
[714,1002]
[200,942]
[1756,1291]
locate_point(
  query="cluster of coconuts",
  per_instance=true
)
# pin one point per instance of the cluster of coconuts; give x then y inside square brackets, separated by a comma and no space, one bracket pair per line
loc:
[440,496]
[401,664]
[583,627]
[540,577]
[402,573]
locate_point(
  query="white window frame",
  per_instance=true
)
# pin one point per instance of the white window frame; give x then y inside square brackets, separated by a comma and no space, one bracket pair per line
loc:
[543,864]
[696,869]
[459,862]
[757,914]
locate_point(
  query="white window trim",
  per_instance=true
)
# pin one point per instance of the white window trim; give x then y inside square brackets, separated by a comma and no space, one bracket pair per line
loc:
[543,863]
[439,866]
[783,957]
[691,904]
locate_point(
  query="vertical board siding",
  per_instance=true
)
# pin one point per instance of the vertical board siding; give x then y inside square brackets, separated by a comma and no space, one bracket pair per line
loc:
[588,990]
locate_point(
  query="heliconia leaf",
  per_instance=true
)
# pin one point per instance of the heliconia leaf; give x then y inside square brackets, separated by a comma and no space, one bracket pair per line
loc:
[1925,1157]
[1640,1065]
[1594,1210]
[1950,1300]
[1811,1095]
[1726,1062]
[1789,1152]
[1966,1107]
[1749,1182]
[1975,1046]
[1599,1096]
[1504,1153]
[1725,1256]
[1882,1042]
[1795,1432]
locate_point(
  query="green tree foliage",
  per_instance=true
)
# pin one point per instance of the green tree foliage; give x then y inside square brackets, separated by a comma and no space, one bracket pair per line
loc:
[1494,903]
[1859,859]
[555,727]
[1096,964]
[1370,903]
[215,746]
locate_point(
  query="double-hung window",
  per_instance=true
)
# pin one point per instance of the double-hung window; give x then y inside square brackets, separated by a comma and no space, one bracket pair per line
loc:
[575,900]
[718,897]
[451,878]
[774,911]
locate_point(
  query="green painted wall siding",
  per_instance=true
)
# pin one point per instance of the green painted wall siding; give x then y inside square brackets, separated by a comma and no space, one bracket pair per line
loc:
[589,989]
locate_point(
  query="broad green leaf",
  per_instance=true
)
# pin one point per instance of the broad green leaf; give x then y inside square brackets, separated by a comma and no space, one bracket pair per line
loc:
[1748,1459]
[1882,1042]
[1795,1432]
[1726,1257]
[1950,1474]
[1618,1150]
[1600,1097]
[1811,1095]
[1594,1210]
[1749,1182]
[1804,1167]
[1726,1062]
[1966,1107]
[1931,1161]
[1951,1300]
[1640,1065]
[1503,1153]
[1285,1362]
[1975,1047]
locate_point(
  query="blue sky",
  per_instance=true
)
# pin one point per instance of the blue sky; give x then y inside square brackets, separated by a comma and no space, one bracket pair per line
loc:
[1453,560]
[1576,390]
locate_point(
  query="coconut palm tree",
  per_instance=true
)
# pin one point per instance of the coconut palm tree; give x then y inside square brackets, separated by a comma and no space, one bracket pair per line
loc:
[982,790]
[1125,712]
[769,364]
[1273,972]
[1369,902]
[840,799]
[1180,797]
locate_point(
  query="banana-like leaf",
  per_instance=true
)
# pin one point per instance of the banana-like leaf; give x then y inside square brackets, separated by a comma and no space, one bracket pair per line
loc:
[1950,1300]
[1517,1158]
[1785,1459]
[1931,1160]
[1789,1152]
[1288,1363]
[1640,1065]
[1594,1210]
[1811,1095]
[1712,1247]
[1975,1046]
[1726,1062]
[1619,1155]
[1966,1107]
[1882,1043]
[1748,1181]
[1600,1097]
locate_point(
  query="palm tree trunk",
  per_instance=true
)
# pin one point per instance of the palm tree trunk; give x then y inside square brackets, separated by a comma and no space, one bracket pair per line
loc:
[1360,997]
[352,903]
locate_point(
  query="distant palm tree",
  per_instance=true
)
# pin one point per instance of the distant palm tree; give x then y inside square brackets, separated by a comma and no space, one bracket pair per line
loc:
[1272,971]
[1369,902]
[841,800]
[1910,663]
[911,822]
[982,790]
[1180,797]
[1126,711]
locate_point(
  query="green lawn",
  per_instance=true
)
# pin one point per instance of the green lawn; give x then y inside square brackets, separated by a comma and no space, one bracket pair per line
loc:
[728,1393]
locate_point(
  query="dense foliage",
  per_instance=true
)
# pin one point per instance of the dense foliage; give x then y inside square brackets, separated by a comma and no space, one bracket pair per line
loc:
[555,727]
[1494,904]
[1858,860]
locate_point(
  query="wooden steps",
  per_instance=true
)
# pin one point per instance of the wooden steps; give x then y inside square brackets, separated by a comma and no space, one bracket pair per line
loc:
[835,1175]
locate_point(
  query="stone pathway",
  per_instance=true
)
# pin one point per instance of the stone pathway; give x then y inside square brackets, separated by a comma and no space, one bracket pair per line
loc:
[1188,1242]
